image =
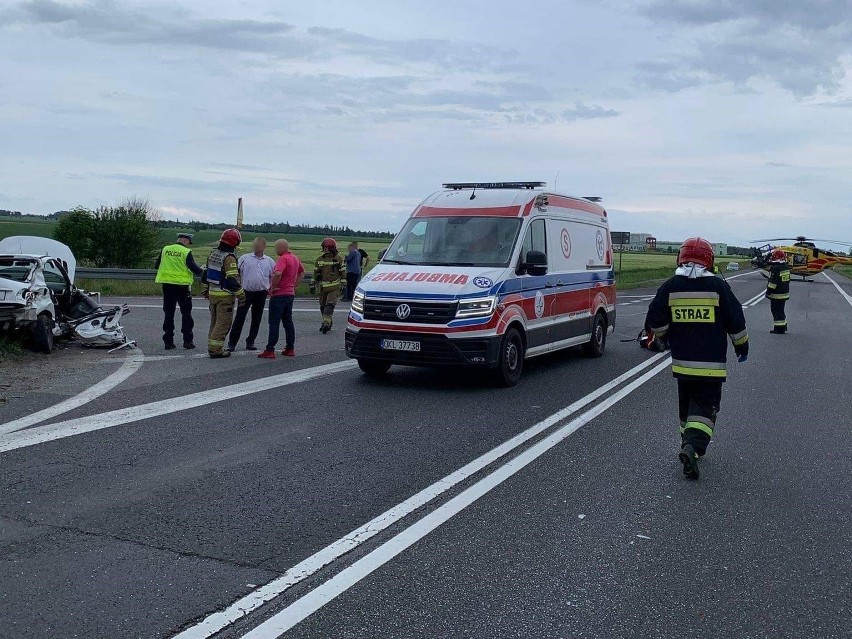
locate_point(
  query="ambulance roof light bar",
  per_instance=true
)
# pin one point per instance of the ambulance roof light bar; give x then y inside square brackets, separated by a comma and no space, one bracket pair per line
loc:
[593,198]
[458,186]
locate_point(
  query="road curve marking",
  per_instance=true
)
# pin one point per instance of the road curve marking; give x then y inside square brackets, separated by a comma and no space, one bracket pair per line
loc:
[216,622]
[131,363]
[315,599]
[80,425]
[845,295]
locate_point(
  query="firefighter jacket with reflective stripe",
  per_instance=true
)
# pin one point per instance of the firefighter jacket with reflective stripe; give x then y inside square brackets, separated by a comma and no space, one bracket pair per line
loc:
[778,287]
[697,316]
[223,274]
[329,271]
[172,268]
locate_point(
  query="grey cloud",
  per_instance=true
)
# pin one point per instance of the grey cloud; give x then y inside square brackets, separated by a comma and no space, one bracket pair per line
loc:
[582,111]
[799,45]
[179,183]
[109,22]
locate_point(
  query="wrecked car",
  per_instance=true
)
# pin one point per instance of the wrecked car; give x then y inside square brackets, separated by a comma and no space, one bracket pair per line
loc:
[37,295]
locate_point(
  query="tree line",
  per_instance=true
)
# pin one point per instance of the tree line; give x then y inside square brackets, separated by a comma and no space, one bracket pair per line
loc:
[281,228]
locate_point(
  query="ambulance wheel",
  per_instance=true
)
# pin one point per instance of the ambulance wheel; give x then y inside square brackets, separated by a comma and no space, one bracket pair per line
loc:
[510,365]
[596,346]
[43,334]
[373,367]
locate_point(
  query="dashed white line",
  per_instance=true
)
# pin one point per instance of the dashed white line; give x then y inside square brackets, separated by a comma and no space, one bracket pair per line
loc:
[218,621]
[132,363]
[317,598]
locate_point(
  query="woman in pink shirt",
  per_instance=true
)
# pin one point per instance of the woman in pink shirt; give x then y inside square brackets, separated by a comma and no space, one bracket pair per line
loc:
[285,276]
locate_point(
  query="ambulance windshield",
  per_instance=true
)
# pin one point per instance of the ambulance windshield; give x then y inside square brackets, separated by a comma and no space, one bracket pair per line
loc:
[455,241]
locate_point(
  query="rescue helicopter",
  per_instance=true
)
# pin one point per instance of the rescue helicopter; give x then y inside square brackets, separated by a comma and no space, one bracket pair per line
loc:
[805,258]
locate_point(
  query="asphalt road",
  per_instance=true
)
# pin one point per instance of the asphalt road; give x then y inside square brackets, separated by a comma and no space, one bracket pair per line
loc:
[429,504]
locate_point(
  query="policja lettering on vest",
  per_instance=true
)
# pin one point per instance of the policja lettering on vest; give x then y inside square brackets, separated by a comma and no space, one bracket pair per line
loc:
[175,268]
[222,277]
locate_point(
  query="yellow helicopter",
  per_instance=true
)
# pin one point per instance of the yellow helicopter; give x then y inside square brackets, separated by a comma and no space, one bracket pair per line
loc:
[805,258]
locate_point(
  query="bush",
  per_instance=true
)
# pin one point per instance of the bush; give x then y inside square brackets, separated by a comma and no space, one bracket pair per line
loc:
[122,236]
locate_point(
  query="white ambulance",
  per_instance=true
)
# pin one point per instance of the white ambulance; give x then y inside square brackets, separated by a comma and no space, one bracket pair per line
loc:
[486,275]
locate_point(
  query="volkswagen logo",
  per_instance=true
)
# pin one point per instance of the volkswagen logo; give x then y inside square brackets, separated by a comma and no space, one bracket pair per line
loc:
[403,311]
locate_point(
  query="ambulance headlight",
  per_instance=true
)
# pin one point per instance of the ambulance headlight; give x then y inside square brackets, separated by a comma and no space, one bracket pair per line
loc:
[479,307]
[358,302]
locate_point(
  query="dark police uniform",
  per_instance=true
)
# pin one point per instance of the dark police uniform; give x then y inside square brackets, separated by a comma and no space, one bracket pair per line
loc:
[778,292]
[697,316]
[175,268]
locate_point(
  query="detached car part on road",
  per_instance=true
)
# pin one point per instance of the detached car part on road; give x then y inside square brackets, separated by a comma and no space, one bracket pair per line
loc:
[37,294]
[486,276]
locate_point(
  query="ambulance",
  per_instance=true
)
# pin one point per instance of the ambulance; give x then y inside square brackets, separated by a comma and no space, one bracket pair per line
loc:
[487,275]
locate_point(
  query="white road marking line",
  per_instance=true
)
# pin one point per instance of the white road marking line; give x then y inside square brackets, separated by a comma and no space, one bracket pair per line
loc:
[129,365]
[733,277]
[71,427]
[845,295]
[754,301]
[217,621]
[318,597]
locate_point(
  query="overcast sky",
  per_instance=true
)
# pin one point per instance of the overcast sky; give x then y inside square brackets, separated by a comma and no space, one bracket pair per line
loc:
[726,118]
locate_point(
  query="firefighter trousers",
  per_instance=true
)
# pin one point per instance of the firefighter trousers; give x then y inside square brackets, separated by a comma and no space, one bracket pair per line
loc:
[221,316]
[779,316]
[699,401]
[327,301]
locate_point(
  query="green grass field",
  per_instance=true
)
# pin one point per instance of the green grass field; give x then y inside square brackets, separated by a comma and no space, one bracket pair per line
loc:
[844,270]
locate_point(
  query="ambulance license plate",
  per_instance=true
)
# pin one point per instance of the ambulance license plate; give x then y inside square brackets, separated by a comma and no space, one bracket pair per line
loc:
[400,345]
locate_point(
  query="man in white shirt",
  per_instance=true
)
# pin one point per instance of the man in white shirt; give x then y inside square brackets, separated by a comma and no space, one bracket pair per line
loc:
[255,275]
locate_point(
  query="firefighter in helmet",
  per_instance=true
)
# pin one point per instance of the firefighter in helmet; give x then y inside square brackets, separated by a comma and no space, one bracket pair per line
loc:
[696,312]
[328,279]
[223,287]
[778,289]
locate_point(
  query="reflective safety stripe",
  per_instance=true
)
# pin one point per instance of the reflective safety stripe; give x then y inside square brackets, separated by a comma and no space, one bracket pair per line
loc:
[739,338]
[780,323]
[699,369]
[218,293]
[694,301]
[699,425]
[771,285]
[333,284]
[321,263]
[660,330]
[701,295]
[779,296]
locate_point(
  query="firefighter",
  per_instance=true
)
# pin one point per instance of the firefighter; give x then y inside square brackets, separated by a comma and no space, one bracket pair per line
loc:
[695,311]
[175,268]
[778,290]
[329,276]
[222,277]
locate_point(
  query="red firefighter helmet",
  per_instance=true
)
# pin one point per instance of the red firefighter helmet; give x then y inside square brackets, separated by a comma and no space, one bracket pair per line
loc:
[231,237]
[778,255]
[697,251]
[329,244]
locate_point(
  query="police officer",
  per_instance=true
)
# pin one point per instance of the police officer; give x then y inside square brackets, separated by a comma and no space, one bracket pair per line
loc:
[778,290]
[222,277]
[696,312]
[329,275]
[175,267]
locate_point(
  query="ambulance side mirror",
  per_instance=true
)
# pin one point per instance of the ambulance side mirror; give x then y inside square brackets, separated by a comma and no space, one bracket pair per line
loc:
[382,254]
[535,263]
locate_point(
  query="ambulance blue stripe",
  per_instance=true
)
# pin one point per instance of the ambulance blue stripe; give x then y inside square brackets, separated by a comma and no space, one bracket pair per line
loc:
[570,281]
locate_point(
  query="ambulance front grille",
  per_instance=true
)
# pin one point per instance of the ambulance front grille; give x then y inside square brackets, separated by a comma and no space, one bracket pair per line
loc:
[419,312]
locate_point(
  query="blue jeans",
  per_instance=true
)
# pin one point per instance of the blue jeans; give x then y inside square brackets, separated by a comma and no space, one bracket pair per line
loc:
[281,312]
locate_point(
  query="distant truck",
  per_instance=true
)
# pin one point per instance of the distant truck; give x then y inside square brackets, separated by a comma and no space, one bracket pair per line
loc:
[486,275]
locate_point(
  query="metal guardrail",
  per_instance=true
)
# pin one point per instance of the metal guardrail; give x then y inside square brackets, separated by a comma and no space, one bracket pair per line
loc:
[128,274]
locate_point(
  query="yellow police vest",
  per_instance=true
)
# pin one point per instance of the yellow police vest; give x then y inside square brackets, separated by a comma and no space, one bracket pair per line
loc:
[173,268]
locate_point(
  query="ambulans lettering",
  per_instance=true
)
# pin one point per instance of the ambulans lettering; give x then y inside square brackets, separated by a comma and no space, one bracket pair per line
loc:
[442,278]
[694,314]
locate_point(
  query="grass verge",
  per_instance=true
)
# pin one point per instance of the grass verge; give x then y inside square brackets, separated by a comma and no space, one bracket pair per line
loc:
[844,270]
[10,347]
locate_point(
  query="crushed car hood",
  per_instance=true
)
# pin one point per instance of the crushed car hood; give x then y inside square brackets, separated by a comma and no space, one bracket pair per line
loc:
[27,245]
